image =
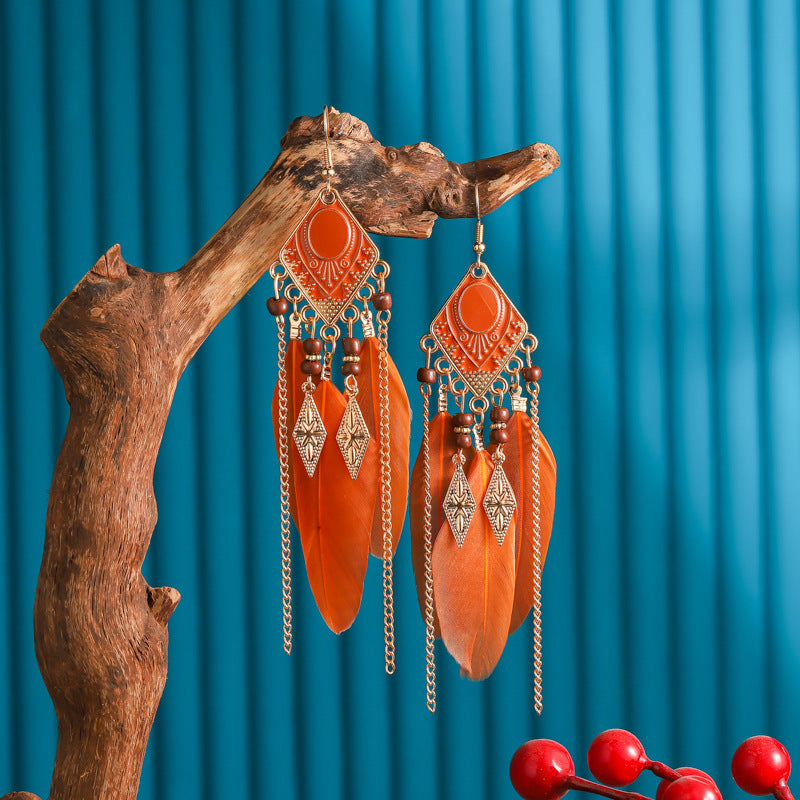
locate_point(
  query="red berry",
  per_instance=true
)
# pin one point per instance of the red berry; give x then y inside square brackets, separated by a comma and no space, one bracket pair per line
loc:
[539,770]
[696,773]
[616,757]
[691,787]
[760,764]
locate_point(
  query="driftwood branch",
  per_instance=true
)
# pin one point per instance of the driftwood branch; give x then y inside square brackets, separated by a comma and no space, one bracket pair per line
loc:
[120,341]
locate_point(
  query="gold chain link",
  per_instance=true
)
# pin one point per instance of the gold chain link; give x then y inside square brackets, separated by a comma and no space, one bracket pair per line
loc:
[386,490]
[283,460]
[430,659]
[537,553]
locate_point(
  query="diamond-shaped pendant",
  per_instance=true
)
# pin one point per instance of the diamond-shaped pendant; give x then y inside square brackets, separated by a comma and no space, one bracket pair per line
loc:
[499,503]
[478,330]
[353,437]
[329,256]
[459,505]
[309,434]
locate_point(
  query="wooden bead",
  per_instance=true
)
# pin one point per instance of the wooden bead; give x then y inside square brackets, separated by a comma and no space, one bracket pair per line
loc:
[463,440]
[499,414]
[498,436]
[351,368]
[351,346]
[463,419]
[312,347]
[426,375]
[277,306]
[531,374]
[382,301]
[311,367]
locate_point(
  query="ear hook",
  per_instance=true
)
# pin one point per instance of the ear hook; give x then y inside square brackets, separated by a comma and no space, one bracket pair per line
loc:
[479,247]
[327,170]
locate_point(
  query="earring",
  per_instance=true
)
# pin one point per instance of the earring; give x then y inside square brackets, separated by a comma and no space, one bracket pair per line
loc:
[480,517]
[343,456]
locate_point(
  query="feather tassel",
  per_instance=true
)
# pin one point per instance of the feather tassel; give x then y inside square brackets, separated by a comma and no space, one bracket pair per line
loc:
[335,516]
[474,584]
[518,452]
[399,436]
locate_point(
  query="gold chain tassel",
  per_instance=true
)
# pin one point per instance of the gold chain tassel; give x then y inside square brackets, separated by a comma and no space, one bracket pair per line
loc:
[283,459]
[537,554]
[430,657]
[386,490]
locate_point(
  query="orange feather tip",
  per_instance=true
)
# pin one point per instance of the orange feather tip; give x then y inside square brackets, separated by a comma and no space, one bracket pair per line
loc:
[334,516]
[474,583]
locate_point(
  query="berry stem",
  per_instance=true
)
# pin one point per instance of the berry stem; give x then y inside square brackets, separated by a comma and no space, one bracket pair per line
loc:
[582,785]
[782,791]
[663,771]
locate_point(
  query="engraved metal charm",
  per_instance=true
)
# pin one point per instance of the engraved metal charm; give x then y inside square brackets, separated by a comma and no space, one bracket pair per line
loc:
[309,433]
[499,503]
[353,437]
[459,504]
[478,329]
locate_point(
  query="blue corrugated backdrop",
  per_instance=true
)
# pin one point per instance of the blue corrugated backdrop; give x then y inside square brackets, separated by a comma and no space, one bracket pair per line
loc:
[658,266]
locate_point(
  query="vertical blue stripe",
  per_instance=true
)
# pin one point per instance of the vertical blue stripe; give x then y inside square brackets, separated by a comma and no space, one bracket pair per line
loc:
[735,364]
[643,371]
[29,382]
[694,599]
[597,420]
[779,210]
[546,113]
[7,718]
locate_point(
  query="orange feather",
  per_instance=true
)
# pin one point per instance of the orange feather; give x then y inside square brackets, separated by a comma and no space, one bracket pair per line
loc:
[399,436]
[334,516]
[474,584]
[442,448]
[517,465]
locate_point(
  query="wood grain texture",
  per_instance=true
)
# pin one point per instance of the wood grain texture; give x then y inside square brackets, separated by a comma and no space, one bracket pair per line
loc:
[121,340]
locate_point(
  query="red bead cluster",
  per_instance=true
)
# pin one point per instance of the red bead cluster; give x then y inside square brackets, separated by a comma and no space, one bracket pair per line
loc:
[543,770]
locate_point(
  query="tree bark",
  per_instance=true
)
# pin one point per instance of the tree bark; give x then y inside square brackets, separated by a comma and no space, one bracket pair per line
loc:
[121,340]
